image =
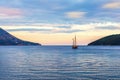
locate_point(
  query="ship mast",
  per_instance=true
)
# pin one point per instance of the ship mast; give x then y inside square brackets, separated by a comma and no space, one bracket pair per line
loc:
[74,43]
[75,40]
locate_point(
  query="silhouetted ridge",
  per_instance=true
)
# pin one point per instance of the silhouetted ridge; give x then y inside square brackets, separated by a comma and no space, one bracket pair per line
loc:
[108,40]
[8,39]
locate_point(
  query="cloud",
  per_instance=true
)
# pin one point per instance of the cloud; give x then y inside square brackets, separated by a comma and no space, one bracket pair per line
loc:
[5,16]
[58,15]
[108,28]
[64,27]
[75,14]
[6,12]
[55,11]
[97,26]
[28,30]
[112,5]
[67,31]
[44,30]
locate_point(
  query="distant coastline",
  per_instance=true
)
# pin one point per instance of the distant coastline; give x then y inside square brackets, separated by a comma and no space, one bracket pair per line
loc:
[112,40]
[6,39]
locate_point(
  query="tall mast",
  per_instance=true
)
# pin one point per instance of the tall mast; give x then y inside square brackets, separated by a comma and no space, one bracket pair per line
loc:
[75,40]
[74,43]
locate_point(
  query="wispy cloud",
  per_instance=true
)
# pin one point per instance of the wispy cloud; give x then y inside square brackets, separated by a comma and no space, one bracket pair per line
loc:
[59,15]
[6,12]
[108,28]
[29,30]
[64,27]
[112,5]
[75,14]
[57,11]
[47,31]
[68,31]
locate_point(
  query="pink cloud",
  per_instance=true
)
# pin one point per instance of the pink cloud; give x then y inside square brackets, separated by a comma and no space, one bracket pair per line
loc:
[10,12]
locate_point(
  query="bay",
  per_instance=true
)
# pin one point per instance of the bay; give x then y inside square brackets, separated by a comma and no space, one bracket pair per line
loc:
[59,63]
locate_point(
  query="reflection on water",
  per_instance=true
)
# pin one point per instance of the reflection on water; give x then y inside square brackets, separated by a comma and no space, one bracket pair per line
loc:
[59,63]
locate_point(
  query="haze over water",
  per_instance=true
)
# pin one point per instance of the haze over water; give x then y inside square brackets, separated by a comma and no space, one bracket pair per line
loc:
[59,63]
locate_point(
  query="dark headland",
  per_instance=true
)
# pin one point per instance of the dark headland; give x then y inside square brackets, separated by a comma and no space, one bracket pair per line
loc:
[112,40]
[8,39]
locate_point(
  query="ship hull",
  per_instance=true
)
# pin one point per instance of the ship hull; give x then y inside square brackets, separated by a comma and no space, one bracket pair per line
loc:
[74,47]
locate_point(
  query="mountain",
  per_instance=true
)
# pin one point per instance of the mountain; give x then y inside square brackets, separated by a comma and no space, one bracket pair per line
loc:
[108,40]
[8,39]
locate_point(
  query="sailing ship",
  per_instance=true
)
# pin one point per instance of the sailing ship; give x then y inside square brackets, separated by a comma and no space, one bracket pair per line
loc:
[74,46]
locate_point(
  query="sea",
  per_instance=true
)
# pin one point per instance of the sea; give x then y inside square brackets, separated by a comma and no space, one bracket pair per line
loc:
[59,63]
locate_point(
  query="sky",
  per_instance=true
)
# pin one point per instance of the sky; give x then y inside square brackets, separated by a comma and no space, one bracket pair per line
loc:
[56,22]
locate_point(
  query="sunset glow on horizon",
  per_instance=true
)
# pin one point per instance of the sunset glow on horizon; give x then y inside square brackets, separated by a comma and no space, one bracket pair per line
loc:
[56,22]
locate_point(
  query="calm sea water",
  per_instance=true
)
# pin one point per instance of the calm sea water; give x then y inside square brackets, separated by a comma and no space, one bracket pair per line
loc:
[59,63]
